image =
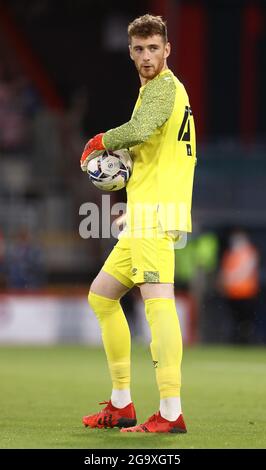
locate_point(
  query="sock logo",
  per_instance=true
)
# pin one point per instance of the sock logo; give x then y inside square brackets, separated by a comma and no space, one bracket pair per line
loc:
[155,364]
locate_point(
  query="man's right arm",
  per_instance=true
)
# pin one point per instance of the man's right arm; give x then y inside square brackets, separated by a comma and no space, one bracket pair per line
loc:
[156,106]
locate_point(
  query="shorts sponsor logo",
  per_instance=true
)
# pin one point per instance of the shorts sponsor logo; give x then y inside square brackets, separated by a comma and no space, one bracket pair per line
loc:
[151,276]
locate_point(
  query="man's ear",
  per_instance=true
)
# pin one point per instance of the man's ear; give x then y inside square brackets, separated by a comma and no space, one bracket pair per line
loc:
[167,50]
[130,51]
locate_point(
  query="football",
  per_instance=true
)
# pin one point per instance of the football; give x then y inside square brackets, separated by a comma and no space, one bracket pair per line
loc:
[111,170]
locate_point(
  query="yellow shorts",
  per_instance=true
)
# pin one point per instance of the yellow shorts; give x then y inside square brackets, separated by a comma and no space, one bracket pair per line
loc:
[135,260]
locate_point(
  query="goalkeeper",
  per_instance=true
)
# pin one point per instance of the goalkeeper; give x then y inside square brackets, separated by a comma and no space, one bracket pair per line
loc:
[161,138]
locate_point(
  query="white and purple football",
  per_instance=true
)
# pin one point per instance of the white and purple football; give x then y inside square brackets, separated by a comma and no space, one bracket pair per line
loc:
[111,170]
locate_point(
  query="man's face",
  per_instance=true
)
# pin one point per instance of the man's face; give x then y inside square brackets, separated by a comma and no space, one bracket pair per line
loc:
[149,55]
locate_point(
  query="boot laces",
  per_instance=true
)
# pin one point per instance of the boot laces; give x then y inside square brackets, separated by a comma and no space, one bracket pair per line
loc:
[104,409]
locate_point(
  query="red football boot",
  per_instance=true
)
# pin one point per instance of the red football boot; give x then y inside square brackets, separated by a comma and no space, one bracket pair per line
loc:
[110,416]
[157,423]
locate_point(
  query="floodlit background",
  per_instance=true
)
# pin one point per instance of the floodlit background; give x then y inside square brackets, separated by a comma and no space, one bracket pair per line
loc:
[65,75]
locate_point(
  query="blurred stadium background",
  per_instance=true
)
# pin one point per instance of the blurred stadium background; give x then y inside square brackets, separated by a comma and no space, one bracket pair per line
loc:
[65,75]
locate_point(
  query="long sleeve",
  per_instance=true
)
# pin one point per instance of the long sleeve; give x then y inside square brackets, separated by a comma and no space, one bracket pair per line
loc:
[157,101]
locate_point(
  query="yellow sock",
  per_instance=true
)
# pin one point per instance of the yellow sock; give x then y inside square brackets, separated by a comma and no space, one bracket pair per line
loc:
[166,345]
[116,338]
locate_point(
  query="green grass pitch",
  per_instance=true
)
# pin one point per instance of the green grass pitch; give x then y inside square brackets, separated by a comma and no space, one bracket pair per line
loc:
[45,391]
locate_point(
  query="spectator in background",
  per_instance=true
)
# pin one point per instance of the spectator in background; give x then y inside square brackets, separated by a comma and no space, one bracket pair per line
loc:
[198,258]
[239,282]
[23,263]
[195,274]
[2,257]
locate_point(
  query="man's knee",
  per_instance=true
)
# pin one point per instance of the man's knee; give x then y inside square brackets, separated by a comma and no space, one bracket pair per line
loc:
[97,285]
[102,307]
[92,299]
[107,286]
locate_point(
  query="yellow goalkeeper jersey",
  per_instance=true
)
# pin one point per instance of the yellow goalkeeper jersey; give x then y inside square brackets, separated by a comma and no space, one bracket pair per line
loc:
[161,138]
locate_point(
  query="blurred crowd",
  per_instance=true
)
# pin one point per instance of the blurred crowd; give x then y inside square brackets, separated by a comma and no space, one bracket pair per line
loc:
[41,188]
[221,272]
[222,279]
